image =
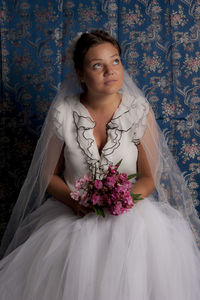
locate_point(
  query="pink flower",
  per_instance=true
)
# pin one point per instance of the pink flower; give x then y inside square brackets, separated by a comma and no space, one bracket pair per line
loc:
[81,182]
[86,178]
[129,201]
[107,199]
[123,177]
[112,192]
[84,199]
[112,169]
[110,181]
[95,199]
[117,208]
[114,196]
[98,184]
[121,189]
[128,185]
[75,195]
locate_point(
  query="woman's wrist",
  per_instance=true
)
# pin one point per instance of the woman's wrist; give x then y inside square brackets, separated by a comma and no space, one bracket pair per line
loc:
[144,186]
[59,190]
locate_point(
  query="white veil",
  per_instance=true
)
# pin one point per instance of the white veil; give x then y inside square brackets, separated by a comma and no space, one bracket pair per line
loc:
[169,182]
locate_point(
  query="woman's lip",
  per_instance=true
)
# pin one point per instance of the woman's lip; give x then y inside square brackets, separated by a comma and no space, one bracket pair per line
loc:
[110,81]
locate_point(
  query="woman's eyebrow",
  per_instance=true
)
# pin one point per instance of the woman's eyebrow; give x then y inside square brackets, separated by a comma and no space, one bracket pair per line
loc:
[94,59]
[100,59]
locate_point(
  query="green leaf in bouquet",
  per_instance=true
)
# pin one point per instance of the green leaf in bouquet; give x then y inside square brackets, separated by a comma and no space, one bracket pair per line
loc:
[119,163]
[136,197]
[132,176]
[99,211]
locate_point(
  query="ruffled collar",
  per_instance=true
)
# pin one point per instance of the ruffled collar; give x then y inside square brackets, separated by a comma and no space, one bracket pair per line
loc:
[122,121]
[126,104]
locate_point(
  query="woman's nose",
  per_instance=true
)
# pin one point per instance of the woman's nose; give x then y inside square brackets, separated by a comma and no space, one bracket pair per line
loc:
[108,70]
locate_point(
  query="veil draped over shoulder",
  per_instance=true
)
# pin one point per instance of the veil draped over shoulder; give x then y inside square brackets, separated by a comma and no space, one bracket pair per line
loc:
[170,185]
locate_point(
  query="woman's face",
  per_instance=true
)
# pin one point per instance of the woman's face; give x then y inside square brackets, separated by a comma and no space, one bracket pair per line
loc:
[102,70]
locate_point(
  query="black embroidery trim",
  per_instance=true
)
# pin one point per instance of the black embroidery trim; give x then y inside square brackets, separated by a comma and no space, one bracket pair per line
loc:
[118,134]
[114,139]
[104,162]
[90,160]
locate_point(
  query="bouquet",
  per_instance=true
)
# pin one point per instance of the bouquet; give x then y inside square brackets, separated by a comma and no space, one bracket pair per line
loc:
[113,191]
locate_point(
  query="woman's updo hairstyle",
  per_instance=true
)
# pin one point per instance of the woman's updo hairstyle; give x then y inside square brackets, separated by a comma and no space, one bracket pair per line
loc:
[88,40]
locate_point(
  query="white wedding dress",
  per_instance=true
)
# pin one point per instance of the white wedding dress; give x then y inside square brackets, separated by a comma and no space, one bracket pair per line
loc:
[148,253]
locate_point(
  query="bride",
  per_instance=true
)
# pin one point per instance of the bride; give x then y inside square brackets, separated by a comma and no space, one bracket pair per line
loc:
[54,247]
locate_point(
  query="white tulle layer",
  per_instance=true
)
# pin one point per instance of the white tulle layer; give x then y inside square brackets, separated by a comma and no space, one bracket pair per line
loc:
[146,254]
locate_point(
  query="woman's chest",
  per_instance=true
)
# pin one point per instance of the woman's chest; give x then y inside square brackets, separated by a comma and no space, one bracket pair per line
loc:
[100,131]
[100,135]
[83,143]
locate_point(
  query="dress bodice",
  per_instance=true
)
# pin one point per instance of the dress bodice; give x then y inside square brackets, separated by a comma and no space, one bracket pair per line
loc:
[124,130]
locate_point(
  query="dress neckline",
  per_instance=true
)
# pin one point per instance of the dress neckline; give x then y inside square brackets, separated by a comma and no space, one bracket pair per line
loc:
[89,115]
[100,151]
[123,107]
[87,119]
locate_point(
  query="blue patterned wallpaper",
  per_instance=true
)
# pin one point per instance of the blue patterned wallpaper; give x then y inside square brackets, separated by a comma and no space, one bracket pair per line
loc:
[160,42]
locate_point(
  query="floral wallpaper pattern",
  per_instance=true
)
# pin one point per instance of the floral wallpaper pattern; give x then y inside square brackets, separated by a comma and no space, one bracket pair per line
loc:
[160,43]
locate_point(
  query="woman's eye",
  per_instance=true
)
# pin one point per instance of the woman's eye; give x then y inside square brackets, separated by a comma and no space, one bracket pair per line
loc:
[97,66]
[116,61]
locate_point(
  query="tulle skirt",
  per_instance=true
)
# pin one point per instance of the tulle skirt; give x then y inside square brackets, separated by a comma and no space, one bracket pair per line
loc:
[148,253]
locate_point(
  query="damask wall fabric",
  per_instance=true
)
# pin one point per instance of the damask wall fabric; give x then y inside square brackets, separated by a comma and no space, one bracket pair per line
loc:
[161,50]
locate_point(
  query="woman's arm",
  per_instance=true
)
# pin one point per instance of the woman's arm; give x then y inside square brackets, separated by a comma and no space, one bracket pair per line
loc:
[145,183]
[57,187]
[60,191]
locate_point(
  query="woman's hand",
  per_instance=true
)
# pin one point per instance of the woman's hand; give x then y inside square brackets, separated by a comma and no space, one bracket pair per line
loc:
[145,183]
[60,190]
[79,209]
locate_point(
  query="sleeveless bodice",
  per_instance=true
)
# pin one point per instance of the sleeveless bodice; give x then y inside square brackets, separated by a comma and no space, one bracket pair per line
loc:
[124,130]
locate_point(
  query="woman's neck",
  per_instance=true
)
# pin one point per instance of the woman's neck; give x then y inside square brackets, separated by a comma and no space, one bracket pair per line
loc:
[100,103]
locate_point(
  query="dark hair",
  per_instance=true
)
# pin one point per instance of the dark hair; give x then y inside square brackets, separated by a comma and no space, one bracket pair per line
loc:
[87,40]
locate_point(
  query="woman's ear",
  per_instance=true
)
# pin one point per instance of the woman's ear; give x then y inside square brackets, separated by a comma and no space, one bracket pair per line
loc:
[80,75]
[82,81]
